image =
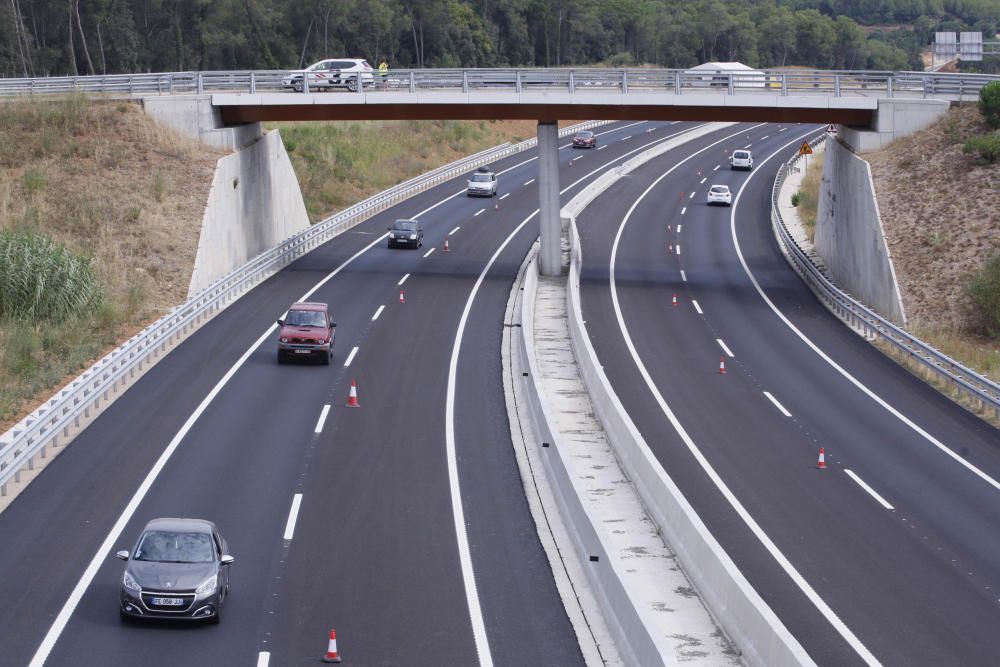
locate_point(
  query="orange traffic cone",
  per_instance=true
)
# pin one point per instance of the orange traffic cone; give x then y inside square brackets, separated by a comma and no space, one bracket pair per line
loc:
[722,365]
[445,249]
[670,248]
[331,649]
[496,205]
[674,303]
[352,398]
[401,299]
[821,464]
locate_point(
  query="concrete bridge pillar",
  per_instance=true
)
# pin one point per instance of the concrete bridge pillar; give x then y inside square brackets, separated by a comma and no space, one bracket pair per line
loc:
[550,251]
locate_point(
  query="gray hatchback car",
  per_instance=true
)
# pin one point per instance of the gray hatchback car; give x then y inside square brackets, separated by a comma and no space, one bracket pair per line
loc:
[178,569]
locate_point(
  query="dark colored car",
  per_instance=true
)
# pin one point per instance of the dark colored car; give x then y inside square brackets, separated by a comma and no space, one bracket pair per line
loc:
[406,233]
[178,569]
[306,332]
[585,140]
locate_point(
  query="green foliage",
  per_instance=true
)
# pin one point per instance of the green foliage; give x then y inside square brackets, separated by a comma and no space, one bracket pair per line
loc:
[985,147]
[989,103]
[40,280]
[796,199]
[984,290]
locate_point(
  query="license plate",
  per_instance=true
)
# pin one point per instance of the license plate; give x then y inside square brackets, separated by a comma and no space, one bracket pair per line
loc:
[168,602]
[302,351]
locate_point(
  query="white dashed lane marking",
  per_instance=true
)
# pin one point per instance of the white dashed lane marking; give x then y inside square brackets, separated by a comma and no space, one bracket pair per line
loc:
[350,357]
[293,516]
[428,253]
[479,212]
[777,404]
[704,179]
[684,277]
[601,148]
[678,229]
[263,659]
[403,279]
[716,167]
[696,307]
[684,210]
[691,196]
[723,346]
[322,417]
[454,230]
[377,313]
[881,501]
[529,182]
[504,196]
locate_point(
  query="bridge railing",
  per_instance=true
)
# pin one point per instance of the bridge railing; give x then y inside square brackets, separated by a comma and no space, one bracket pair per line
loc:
[65,413]
[574,81]
[977,390]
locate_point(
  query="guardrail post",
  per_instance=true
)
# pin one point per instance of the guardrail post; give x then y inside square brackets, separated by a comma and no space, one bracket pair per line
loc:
[677,82]
[361,84]
[784,84]
[465,81]
[170,83]
[413,82]
[253,82]
[624,82]
[305,83]
[572,82]
[836,85]
[201,84]
[517,82]
[888,85]
[730,82]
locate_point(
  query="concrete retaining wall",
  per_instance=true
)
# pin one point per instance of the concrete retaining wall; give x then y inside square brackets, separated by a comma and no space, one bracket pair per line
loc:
[849,234]
[895,118]
[195,117]
[254,203]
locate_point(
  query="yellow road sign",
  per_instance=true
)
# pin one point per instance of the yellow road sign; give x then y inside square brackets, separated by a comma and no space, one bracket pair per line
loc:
[806,149]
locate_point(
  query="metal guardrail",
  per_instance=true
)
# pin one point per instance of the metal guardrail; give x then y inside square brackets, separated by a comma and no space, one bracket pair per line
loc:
[981,390]
[96,387]
[837,83]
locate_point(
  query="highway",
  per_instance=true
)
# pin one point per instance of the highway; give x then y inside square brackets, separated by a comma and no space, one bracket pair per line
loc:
[412,537]
[890,554]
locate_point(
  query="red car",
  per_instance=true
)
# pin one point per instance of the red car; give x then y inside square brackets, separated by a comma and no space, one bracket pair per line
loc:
[585,140]
[306,331]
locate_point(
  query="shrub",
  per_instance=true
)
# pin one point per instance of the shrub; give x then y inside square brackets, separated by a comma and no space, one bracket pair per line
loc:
[989,103]
[986,147]
[42,280]
[796,198]
[984,290]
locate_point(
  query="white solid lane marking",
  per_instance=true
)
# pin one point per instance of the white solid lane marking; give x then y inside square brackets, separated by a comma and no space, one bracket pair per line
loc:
[833,364]
[691,196]
[322,417]
[723,346]
[529,182]
[293,516]
[403,279]
[504,196]
[678,229]
[454,230]
[479,212]
[734,502]
[428,253]
[601,148]
[263,659]
[350,357]
[697,307]
[716,167]
[704,179]
[881,501]
[777,404]
[377,313]
[684,277]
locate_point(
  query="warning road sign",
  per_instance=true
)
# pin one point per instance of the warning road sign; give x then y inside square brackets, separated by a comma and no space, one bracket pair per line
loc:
[806,149]
[832,129]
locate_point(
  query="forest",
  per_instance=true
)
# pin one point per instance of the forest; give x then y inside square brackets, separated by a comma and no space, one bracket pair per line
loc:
[77,37]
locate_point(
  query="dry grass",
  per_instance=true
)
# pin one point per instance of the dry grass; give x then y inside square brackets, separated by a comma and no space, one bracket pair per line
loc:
[808,195]
[106,182]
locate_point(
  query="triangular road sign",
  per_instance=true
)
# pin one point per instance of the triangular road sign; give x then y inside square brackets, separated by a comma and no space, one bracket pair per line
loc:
[806,149]
[832,129]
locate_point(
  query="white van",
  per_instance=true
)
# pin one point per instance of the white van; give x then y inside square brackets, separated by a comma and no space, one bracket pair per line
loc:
[741,160]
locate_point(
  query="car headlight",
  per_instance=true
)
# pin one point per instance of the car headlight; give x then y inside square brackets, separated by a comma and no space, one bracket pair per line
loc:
[413,237]
[320,341]
[284,340]
[129,582]
[207,587]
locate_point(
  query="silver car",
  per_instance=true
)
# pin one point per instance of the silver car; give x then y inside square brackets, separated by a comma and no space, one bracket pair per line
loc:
[178,569]
[482,184]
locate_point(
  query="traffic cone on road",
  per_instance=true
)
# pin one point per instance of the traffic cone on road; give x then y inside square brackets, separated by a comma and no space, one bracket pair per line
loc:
[445,249]
[821,464]
[352,398]
[670,248]
[496,205]
[401,299]
[722,365]
[331,649]
[674,303]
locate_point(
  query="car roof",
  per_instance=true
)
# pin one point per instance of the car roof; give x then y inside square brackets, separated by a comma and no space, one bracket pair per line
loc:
[308,305]
[720,187]
[406,220]
[181,525]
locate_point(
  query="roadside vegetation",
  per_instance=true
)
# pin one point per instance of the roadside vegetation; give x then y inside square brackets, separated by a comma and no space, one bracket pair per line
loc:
[807,198]
[341,163]
[100,210]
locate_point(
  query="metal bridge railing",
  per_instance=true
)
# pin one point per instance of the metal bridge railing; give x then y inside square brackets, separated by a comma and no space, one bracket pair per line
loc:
[577,81]
[981,391]
[64,413]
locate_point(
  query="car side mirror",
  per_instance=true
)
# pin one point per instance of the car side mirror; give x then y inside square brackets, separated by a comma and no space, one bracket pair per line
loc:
[281,323]
[227,560]
[122,555]
[389,228]
[333,325]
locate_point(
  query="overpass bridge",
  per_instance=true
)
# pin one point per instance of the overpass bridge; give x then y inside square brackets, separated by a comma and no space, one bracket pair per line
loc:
[872,108]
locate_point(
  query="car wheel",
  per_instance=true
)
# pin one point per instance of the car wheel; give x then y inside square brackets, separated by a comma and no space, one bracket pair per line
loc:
[325,358]
[281,357]
[297,86]
[352,85]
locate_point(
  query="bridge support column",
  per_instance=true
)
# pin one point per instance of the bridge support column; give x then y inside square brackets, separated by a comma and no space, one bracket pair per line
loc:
[550,231]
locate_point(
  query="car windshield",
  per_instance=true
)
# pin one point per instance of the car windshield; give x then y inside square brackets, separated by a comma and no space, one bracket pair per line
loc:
[305,318]
[161,546]
[584,135]
[405,226]
[480,178]
[720,189]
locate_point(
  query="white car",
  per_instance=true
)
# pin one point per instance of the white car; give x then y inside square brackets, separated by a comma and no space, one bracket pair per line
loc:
[741,160]
[720,194]
[482,184]
[331,73]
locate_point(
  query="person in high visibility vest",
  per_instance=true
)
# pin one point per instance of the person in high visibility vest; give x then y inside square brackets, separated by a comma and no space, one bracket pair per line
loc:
[383,71]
